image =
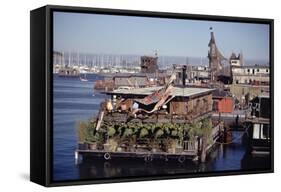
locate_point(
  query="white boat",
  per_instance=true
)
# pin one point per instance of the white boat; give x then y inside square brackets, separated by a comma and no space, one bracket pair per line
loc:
[83,79]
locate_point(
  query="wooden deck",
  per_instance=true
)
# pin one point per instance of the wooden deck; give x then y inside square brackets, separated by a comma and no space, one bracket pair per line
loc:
[146,156]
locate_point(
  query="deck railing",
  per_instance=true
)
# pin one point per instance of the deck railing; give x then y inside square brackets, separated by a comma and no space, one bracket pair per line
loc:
[190,146]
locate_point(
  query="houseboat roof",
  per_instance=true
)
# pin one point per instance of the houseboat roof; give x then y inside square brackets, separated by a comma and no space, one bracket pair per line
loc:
[176,91]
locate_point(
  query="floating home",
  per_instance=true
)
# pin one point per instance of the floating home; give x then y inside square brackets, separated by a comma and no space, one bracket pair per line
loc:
[258,122]
[182,103]
[169,122]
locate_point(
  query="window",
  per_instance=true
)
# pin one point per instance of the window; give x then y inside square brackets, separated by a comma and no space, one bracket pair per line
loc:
[261,131]
[256,131]
[265,132]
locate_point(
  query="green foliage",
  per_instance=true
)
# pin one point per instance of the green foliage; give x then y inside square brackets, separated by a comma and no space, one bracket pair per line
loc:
[111,131]
[159,133]
[87,133]
[82,130]
[174,133]
[207,130]
[143,132]
[128,132]
[121,131]
[194,129]
[99,137]
[201,128]
[207,126]
[166,129]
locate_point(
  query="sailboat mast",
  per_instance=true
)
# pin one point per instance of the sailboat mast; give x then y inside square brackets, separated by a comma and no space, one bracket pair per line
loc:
[69,59]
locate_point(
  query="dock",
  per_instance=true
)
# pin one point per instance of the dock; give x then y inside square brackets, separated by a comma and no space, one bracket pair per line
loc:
[146,156]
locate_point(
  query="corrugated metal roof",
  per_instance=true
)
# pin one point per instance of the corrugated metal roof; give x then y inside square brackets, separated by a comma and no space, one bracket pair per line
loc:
[176,91]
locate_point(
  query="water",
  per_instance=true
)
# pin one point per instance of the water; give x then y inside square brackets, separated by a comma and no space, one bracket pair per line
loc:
[76,101]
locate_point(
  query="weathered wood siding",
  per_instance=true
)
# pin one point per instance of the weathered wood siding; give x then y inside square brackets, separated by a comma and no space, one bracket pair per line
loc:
[192,107]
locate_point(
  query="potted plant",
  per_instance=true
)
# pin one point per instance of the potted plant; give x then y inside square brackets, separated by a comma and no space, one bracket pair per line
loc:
[110,133]
[82,131]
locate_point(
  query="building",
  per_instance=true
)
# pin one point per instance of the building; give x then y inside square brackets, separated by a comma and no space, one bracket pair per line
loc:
[246,92]
[198,73]
[236,61]
[181,74]
[150,122]
[193,74]
[149,64]
[252,75]
[215,59]
[259,125]
[124,81]
[132,81]
[260,106]
[223,102]
[249,82]
[183,103]
[69,72]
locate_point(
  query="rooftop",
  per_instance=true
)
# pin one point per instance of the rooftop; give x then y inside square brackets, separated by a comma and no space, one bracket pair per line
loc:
[254,66]
[176,91]
[217,93]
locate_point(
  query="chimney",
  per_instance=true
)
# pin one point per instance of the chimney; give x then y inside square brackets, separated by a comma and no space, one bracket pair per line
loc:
[183,75]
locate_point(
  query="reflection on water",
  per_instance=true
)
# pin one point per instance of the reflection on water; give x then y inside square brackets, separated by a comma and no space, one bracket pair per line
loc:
[75,101]
[131,167]
[222,158]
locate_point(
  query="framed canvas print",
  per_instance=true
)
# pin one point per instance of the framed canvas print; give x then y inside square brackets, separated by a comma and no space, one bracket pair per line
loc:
[120,95]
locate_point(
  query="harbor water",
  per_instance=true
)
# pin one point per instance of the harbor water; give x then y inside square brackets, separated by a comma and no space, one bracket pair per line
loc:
[75,100]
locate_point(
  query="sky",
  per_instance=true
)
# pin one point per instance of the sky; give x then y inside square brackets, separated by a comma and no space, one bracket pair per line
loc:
[111,34]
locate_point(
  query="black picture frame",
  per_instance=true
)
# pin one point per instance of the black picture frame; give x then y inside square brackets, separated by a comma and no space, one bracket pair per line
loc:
[41,132]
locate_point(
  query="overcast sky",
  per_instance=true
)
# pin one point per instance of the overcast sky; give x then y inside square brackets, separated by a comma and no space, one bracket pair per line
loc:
[93,33]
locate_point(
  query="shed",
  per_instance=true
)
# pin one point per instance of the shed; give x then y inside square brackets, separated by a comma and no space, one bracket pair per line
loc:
[222,102]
